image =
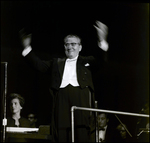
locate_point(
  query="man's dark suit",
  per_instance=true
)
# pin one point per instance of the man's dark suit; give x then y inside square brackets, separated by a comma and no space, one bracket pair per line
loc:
[108,135]
[55,68]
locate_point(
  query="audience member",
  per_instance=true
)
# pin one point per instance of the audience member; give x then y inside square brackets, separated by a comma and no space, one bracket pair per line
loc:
[121,134]
[33,120]
[104,130]
[16,103]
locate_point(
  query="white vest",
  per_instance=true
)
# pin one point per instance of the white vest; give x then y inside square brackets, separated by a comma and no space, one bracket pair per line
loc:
[70,74]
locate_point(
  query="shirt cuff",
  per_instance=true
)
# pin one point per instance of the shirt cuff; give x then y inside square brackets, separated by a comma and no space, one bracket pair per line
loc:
[26,51]
[103,45]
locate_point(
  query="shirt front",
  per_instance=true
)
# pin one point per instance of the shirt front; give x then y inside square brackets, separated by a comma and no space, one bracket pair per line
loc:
[102,134]
[70,74]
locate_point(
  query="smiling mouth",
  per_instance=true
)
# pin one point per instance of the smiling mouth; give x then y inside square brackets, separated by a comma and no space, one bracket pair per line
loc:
[70,51]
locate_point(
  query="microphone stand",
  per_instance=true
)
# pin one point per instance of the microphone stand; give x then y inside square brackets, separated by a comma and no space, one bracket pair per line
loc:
[4,95]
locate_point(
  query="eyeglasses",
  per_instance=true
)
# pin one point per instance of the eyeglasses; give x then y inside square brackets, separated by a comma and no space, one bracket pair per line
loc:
[72,44]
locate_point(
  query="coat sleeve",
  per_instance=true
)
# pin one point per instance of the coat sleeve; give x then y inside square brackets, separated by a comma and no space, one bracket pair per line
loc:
[37,63]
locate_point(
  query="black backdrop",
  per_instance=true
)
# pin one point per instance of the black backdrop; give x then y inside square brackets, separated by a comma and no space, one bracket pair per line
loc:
[122,85]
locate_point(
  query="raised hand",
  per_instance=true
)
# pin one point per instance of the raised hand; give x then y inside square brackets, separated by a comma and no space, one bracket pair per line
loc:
[25,39]
[102,31]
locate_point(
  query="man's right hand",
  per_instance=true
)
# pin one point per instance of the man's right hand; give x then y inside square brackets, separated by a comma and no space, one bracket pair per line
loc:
[25,39]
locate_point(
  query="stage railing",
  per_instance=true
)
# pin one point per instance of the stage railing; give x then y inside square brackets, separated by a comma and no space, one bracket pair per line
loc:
[98,110]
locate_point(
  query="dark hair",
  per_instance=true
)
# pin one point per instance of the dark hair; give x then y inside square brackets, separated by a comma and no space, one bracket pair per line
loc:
[106,114]
[18,96]
[34,114]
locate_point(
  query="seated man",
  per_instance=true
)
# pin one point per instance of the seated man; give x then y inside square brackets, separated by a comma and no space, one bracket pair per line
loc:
[104,129]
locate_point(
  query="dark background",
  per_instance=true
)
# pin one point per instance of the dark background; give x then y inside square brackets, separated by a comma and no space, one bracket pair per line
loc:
[122,85]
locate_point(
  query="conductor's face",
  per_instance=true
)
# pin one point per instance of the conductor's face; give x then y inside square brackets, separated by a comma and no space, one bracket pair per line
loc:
[72,47]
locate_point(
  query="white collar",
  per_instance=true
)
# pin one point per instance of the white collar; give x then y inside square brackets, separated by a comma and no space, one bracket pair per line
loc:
[104,128]
[70,60]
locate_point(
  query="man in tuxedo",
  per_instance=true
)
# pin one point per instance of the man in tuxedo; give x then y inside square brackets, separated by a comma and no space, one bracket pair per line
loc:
[71,83]
[104,131]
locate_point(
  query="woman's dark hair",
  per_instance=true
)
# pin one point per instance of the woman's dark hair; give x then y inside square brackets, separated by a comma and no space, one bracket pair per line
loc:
[18,96]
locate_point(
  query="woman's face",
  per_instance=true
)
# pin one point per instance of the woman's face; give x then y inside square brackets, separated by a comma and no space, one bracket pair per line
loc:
[15,106]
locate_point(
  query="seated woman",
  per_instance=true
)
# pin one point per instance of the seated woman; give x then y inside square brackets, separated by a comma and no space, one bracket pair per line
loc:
[16,102]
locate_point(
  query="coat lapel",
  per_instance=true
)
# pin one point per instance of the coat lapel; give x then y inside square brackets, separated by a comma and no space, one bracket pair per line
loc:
[61,64]
[79,64]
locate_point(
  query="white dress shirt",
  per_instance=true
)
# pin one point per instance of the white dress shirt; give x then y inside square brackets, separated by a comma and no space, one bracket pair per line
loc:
[70,74]
[102,134]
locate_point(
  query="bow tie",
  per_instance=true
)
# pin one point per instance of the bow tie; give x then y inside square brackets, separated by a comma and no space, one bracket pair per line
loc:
[101,129]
